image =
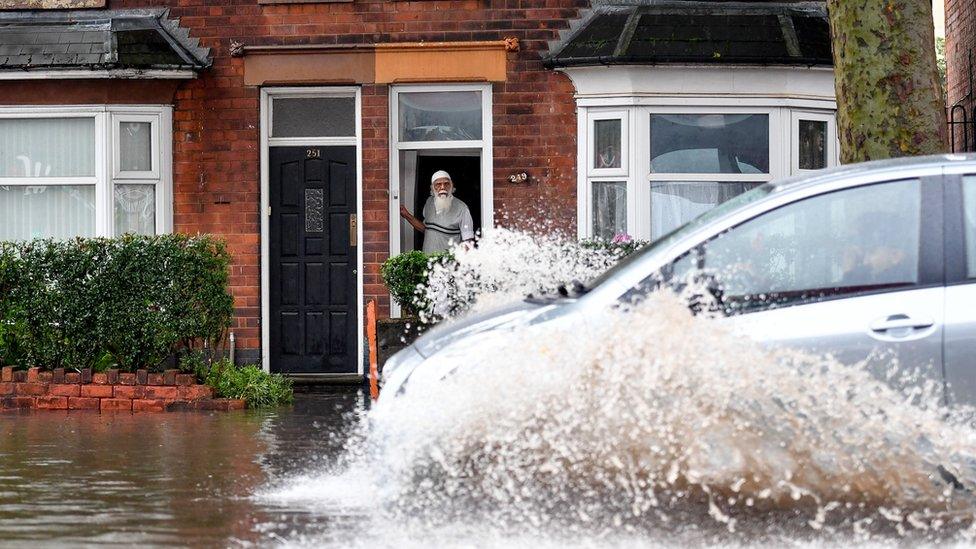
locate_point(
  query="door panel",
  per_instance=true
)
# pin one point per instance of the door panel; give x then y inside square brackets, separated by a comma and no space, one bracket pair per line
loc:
[313,276]
[855,273]
[852,330]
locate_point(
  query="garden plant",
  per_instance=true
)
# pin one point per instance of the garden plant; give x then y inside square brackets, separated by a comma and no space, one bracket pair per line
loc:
[129,302]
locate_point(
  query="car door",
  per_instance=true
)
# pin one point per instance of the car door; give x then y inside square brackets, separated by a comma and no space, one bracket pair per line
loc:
[960,298]
[856,273]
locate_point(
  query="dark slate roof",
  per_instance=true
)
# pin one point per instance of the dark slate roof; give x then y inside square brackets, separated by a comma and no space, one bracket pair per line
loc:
[675,31]
[144,39]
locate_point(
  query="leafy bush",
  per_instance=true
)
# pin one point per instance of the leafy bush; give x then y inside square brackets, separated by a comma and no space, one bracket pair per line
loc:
[405,273]
[257,387]
[137,298]
[620,247]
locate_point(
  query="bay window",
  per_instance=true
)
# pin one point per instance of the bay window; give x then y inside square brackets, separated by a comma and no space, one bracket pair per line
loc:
[84,171]
[649,170]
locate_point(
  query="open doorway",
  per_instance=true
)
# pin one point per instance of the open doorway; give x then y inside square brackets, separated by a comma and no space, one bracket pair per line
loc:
[438,127]
[416,169]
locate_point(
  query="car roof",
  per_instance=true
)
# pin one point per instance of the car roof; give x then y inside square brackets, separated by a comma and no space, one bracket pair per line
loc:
[874,166]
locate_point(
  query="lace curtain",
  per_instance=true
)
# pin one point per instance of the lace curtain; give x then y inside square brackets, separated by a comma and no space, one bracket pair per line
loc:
[674,204]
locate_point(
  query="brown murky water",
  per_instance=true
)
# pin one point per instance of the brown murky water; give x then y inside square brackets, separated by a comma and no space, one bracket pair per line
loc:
[165,479]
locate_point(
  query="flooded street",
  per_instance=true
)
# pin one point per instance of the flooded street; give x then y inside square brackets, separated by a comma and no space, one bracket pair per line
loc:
[278,479]
[659,428]
[166,479]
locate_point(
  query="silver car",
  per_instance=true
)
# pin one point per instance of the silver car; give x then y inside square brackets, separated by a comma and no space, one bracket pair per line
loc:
[874,261]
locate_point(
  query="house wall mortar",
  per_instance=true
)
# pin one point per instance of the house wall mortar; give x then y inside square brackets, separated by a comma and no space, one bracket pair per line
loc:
[216,153]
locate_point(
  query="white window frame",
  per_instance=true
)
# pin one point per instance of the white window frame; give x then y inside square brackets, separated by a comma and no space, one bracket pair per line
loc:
[484,145]
[783,149]
[153,120]
[268,95]
[106,119]
[600,115]
[832,145]
[309,93]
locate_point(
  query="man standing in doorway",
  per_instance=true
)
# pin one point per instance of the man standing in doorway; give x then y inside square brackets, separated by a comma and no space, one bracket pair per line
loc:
[447,220]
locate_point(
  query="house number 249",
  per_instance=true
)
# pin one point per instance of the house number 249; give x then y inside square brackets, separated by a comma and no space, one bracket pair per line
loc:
[313,153]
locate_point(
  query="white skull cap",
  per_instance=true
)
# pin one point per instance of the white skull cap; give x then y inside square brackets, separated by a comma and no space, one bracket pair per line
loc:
[440,174]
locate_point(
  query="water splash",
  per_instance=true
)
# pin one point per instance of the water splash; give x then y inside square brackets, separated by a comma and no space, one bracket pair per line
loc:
[659,416]
[661,427]
[508,265]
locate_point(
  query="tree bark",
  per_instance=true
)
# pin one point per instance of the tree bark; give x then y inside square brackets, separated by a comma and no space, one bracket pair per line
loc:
[889,97]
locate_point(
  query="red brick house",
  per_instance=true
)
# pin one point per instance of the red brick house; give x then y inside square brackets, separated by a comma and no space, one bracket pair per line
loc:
[295,129]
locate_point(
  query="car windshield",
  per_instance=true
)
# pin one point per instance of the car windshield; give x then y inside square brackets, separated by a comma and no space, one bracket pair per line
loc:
[704,219]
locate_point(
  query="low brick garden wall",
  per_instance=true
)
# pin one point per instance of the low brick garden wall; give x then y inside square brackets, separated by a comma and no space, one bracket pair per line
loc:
[110,391]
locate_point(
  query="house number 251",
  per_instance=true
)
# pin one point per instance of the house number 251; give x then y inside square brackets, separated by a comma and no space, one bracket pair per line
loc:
[313,153]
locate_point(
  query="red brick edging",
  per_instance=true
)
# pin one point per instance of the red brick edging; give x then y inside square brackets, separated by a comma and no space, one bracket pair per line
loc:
[109,391]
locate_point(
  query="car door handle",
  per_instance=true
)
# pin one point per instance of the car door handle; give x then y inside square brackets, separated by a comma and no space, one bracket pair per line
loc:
[896,322]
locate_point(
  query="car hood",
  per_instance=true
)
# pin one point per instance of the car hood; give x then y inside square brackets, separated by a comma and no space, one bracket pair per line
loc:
[510,316]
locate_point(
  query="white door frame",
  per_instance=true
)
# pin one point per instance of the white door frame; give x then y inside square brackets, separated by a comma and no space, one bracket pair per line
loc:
[267,141]
[484,145]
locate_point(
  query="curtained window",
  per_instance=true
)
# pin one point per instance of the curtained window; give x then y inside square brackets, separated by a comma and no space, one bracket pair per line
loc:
[58,168]
[713,153]
[649,168]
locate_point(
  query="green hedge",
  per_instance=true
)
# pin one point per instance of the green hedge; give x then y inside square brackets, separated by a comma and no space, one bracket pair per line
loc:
[404,273]
[132,301]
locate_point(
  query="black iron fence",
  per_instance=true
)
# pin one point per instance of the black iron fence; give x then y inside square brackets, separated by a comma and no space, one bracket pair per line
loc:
[962,120]
[962,128]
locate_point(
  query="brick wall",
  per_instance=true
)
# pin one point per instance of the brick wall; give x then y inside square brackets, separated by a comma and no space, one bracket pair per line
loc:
[216,135]
[109,391]
[960,44]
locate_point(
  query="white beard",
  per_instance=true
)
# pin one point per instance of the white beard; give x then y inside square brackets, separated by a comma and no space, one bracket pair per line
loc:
[442,203]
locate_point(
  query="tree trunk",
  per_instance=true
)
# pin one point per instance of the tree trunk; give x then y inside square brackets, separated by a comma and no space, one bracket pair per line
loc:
[889,98]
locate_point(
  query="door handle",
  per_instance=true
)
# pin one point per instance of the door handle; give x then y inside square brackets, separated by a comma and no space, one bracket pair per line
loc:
[900,322]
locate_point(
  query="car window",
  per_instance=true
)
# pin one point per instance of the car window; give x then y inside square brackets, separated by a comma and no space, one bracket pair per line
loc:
[969,224]
[849,241]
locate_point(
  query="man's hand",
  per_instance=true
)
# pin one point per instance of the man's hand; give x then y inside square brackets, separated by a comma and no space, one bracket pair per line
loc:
[413,221]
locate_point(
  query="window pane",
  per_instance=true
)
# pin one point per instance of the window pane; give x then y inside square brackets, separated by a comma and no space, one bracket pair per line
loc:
[47,147]
[675,203]
[46,211]
[709,143]
[969,207]
[440,116]
[813,140]
[135,209]
[855,239]
[135,142]
[314,117]
[606,150]
[609,209]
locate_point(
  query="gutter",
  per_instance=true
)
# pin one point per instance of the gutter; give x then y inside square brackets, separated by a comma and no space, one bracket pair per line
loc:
[76,74]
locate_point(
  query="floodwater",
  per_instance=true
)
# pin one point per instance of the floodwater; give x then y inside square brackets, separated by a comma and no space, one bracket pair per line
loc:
[176,479]
[658,428]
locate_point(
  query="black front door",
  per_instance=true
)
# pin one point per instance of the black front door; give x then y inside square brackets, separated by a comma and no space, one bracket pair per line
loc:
[313,260]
